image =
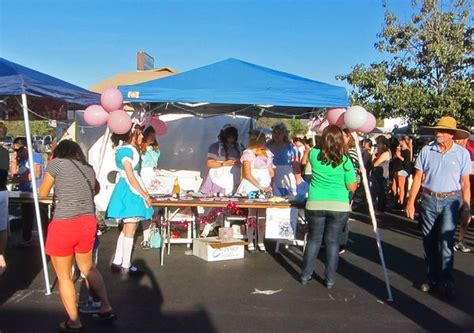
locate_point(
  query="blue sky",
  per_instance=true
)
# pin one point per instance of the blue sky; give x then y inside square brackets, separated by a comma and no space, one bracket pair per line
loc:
[84,42]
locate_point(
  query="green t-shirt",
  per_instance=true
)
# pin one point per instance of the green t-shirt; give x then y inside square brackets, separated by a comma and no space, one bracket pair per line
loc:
[327,190]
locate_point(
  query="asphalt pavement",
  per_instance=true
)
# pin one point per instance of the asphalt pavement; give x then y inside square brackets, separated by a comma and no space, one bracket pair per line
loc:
[260,293]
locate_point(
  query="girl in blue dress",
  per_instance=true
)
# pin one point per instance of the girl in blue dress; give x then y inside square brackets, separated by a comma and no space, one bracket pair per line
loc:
[130,201]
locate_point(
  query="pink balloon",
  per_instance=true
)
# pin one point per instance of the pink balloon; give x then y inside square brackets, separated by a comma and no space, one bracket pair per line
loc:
[111,99]
[95,116]
[369,124]
[159,126]
[322,126]
[335,116]
[119,122]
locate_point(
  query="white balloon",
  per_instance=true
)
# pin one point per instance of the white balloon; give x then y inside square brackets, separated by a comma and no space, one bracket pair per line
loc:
[355,117]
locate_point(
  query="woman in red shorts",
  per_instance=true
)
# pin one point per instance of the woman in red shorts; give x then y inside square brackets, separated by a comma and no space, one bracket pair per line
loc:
[72,231]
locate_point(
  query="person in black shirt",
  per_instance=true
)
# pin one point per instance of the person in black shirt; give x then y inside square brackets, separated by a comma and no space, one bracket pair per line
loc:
[402,158]
[4,166]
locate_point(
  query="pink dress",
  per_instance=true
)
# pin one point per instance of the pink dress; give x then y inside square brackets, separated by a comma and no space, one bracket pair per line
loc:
[259,165]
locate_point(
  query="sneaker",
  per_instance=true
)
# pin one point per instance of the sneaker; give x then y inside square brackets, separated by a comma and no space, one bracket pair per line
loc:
[90,307]
[459,246]
[305,280]
[132,271]
[342,249]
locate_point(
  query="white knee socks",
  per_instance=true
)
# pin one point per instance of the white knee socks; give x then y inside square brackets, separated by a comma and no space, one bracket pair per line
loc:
[119,250]
[127,252]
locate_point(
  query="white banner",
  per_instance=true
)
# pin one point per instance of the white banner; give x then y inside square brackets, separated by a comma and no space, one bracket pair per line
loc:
[281,223]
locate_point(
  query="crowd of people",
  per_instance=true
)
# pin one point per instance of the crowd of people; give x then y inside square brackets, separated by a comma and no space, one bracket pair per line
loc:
[327,169]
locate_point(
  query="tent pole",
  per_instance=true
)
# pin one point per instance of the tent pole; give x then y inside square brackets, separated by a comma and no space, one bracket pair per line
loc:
[103,149]
[35,192]
[368,195]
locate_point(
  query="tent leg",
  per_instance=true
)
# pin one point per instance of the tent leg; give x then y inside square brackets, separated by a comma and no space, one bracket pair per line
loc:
[368,195]
[35,193]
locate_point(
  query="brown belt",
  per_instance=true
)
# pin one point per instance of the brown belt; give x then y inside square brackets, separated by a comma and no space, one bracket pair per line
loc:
[440,194]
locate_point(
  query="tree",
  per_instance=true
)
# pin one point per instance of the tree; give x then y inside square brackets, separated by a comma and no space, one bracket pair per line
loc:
[429,73]
[295,126]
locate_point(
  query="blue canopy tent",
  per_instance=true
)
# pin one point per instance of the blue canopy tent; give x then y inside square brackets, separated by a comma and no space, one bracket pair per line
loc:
[17,80]
[235,86]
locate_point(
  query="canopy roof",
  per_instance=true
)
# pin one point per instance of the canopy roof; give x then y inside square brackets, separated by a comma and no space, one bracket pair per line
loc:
[132,78]
[16,80]
[235,86]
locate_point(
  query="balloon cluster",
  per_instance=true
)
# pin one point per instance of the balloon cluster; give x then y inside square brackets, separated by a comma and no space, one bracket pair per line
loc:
[355,118]
[109,112]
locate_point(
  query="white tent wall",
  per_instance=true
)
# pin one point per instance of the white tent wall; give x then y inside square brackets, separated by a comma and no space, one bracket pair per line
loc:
[184,147]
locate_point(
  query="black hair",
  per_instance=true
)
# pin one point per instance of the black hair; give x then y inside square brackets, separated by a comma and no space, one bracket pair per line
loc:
[20,141]
[383,144]
[116,138]
[224,134]
[69,149]
[368,141]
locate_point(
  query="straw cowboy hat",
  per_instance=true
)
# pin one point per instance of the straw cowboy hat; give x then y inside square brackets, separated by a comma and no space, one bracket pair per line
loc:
[448,123]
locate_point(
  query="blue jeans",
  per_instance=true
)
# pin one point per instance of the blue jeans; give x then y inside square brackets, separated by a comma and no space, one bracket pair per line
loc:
[438,218]
[378,190]
[328,225]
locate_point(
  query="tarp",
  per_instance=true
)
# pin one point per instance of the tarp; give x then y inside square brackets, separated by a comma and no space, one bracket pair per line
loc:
[235,86]
[16,80]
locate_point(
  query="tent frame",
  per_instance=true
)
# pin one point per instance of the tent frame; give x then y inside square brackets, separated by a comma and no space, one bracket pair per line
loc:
[35,192]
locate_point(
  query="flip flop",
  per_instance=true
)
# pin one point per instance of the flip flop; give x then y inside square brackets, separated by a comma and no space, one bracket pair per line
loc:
[104,316]
[64,327]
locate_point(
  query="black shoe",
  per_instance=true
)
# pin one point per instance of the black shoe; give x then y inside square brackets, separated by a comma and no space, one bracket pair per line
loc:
[104,316]
[427,286]
[447,289]
[115,268]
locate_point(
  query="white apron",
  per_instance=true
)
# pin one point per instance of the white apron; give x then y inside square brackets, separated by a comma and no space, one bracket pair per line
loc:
[148,175]
[223,177]
[262,176]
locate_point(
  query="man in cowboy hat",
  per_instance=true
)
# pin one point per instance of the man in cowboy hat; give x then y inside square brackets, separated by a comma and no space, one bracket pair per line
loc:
[442,175]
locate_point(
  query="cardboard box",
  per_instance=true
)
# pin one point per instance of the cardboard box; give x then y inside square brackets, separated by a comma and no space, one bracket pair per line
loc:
[214,249]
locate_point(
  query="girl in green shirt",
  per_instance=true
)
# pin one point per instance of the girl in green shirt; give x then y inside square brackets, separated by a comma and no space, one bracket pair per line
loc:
[327,208]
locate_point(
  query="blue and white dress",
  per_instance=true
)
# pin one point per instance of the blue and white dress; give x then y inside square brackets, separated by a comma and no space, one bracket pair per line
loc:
[125,202]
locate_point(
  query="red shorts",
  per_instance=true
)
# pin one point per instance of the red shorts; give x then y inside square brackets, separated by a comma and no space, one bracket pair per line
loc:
[66,237]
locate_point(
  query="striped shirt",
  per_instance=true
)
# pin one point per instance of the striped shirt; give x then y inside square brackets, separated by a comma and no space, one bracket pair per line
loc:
[73,193]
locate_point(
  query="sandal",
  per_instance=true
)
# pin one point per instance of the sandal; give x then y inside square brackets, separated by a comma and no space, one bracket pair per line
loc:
[104,316]
[65,327]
